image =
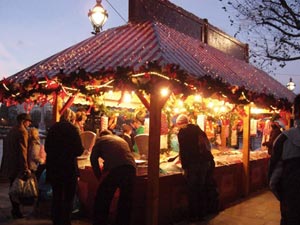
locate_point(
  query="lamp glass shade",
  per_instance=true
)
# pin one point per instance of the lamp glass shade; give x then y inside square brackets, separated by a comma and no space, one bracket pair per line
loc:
[98,16]
[291,85]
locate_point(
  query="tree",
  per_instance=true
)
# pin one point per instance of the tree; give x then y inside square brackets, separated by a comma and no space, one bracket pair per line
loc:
[271,28]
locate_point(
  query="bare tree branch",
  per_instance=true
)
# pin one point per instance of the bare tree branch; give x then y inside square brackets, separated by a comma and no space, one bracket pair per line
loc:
[271,28]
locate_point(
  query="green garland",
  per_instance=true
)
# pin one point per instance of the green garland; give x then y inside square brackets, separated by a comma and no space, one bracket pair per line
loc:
[18,92]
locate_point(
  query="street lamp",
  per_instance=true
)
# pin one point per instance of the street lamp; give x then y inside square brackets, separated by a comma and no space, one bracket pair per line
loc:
[291,85]
[98,16]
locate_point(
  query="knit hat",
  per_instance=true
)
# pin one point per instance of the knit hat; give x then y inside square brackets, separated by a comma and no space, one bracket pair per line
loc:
[182,119]
[23,117]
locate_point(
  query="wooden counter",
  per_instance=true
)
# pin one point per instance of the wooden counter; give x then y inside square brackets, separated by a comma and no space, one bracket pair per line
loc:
[172,191]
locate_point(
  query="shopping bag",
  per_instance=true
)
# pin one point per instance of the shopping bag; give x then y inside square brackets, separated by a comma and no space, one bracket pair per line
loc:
[16,188]
[24,191]
[30,188]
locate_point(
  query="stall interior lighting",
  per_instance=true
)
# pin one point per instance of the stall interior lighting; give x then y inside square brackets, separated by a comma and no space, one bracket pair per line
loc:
[127,98]
[197,98]
[164,92]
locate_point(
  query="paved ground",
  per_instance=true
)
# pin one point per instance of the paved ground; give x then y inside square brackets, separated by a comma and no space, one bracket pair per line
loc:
[259,209]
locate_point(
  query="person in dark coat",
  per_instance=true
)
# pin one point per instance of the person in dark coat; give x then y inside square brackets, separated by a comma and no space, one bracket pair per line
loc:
[127,131]
[14,161]
[63,146]
[119,171]
[197,162]
[275,131]
[287,149]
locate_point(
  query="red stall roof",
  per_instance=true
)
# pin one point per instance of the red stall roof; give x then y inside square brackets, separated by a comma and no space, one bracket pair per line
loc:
[136,44]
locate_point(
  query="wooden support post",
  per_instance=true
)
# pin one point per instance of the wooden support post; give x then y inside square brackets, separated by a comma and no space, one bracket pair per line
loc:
[56,108]
[246,151]
[223,135]
[156,104]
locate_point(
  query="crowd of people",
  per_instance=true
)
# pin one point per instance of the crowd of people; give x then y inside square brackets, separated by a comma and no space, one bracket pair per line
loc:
[55,164]
[24,156]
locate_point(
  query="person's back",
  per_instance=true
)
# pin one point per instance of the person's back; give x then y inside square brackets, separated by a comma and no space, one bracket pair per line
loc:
[120,172]
[189,142]
[197,163]
[62,145]
[113,150]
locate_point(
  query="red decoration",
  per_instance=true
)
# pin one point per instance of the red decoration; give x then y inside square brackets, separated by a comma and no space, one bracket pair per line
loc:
[67,104]
[51,84]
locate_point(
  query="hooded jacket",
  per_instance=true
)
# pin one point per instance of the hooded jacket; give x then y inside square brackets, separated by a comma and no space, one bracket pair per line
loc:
[286,147]
[291,147]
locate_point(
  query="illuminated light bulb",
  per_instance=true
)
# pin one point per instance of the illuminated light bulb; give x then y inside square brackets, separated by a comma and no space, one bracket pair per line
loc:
[223,109]
[210,104]
[127,97]
[197,98]
[168,109]
[176,110]
[164,92]
[180,103]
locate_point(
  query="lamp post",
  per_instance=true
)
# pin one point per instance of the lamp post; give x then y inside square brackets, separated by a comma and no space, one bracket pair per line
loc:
[98,16]
[291,85]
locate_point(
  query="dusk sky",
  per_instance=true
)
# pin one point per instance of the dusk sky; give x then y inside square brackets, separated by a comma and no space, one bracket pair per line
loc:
[32,30]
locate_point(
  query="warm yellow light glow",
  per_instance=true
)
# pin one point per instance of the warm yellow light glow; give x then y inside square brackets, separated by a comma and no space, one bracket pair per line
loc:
[256,110]
[164,92]
[210,104]
[168,109]
[98,16]
[176,110]
[197,98]
[127,98]
[223,109]
[180,103]
[291,85]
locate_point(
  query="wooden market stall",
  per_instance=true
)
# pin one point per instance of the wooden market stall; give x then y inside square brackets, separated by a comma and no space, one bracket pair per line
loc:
[162,45]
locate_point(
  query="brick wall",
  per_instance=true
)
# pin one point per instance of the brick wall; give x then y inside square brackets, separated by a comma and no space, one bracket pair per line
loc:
[181,20]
